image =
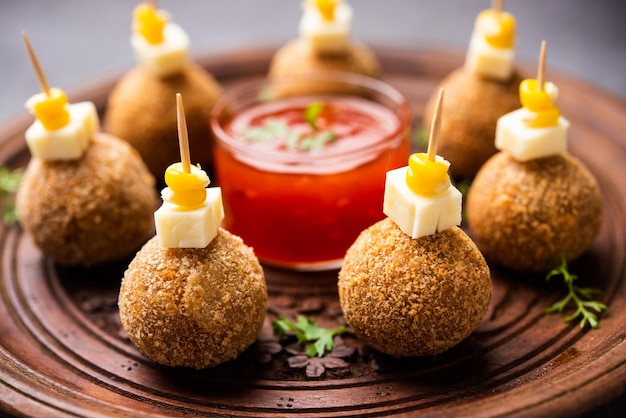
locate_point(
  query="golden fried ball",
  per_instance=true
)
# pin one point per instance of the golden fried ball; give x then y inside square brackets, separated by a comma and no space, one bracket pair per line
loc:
[527,216]
[92,210]
[413,297]
[142,110]
[298,59]
[194,307]
[472,106]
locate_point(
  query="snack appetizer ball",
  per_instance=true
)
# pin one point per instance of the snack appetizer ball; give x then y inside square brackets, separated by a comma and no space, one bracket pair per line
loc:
[193,307]
[324,44]
[533,202]
[194,295]
[478,93]
[86,197]
[141,107]
[527,215]
[414,284]
[91,210]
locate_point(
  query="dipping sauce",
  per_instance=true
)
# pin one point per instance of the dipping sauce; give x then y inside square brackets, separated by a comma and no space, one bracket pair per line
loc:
[300,189]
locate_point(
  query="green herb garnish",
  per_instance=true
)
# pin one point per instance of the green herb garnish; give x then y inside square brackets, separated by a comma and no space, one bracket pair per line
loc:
[274,129]
[312,112]
[463,186]
[270,130]
[316,141]
[421,137]
[581,296]
[317,340]
[9,183]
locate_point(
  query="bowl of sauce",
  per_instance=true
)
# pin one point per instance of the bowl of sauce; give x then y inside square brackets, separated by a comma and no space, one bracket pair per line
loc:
[302,170]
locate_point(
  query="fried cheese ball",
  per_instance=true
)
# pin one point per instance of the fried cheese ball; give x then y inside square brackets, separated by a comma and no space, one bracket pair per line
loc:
[298,59]
[92,210]
[142,110]
[194,307]
[527,216]
[413,297]
[472,107]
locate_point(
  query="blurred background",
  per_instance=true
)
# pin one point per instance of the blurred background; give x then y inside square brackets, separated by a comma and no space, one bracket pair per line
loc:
[81,41]
[78,41]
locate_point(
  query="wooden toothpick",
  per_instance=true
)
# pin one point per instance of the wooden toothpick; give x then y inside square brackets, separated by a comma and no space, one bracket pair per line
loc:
[41,77]
[153,3]
[435,128]
[497,5]
[541,68]
[183,137]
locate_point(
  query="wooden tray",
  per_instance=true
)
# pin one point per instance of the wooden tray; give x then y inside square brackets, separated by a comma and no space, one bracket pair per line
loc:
[63,352]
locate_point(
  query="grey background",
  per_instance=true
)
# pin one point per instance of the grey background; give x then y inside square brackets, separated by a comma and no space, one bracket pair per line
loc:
[79,41]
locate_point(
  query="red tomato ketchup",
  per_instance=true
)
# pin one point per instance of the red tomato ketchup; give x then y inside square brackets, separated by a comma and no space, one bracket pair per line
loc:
[301,177]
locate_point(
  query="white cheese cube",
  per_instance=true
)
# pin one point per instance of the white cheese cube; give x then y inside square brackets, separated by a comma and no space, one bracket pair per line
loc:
[196,228]
[417,215]
[524,143]
[488,61]
[68,142]
[327,36]
[166,58]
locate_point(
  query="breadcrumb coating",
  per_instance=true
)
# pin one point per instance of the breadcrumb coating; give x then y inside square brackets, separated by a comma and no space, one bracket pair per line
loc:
[142,110]
[194,307]
[89,211]
[471,109]
[413,297]
[297,58]
[526,216]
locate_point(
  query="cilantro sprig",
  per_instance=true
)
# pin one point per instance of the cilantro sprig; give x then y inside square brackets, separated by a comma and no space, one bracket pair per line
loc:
[420,137]
[311,114]
[9,183]
[274,129]
[581,296]
[317,340]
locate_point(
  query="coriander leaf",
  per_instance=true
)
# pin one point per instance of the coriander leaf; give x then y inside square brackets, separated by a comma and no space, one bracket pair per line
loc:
[281,326]
[10,179]
[9,183]
[9,216]
[292,139]
[463,186]
[312,112]
[271,130]
[577,295]
[318,141]
[317,340]
[421,137]
[324,138]
[275,130]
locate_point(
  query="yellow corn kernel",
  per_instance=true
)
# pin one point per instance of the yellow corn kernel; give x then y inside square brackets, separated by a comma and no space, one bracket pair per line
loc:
[188,189]
[326,8]
[499,28]
[425,177]
[52,111]
[540,102]
[149,23]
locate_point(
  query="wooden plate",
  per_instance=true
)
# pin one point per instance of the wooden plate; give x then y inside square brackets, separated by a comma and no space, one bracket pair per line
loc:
[63,352]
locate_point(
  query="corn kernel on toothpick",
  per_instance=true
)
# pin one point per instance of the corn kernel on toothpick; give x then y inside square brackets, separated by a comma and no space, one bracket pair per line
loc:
[86,198]
[537,129]
[191,214]
[61,131]
[419,198]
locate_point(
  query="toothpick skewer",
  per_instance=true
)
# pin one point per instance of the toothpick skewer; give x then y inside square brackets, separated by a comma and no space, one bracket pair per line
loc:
[43,83]
[153,3]
[435,128]
[541,69]
[497,5]
[183,137]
